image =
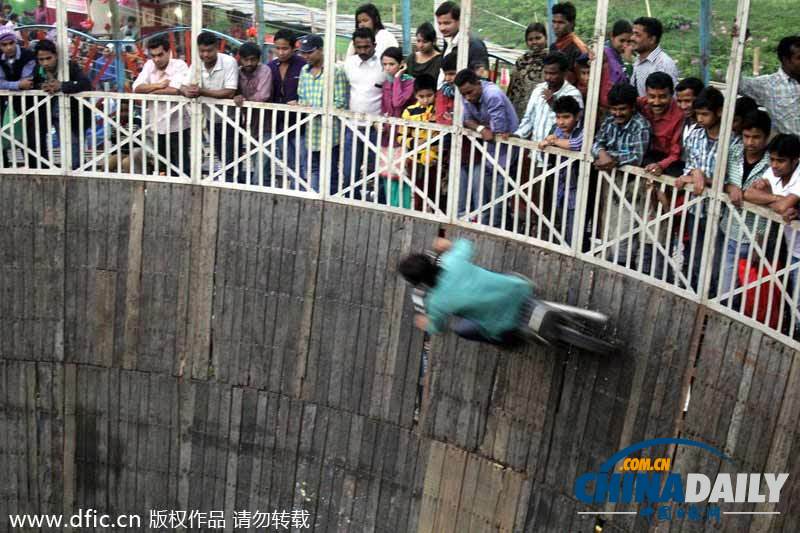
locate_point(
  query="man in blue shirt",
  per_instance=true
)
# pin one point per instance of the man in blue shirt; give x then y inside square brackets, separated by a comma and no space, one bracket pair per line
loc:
[490,306]
[488,112]
[286,68]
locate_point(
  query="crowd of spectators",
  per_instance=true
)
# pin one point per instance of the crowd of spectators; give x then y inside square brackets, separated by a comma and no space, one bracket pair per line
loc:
[648,116]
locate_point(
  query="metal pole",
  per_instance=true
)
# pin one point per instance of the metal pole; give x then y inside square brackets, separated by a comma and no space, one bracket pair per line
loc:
[551,37]
[705,38]
[329,70]
[64,116]
[196,110]
[590,122]
[119,70]
[261,30]
[458,112]
[721,167]
[406,26]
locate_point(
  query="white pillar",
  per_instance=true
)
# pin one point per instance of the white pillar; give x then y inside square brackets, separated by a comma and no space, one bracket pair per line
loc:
[726,124]
[458,112]
[195,109]
[64,115]
[327,100]
[589,123]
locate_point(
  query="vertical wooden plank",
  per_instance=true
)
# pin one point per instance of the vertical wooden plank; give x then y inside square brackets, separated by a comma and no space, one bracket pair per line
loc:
[308,253]
[133,278]
[70,383]
[234,448]
[204,218]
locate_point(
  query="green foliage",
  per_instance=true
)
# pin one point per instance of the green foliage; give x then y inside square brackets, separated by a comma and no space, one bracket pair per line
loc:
[770,20]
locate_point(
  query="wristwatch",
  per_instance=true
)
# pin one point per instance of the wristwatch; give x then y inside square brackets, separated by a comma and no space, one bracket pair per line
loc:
[480,128]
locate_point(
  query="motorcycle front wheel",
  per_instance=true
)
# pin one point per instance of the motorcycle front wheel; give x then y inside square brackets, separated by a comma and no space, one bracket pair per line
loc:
[569,335]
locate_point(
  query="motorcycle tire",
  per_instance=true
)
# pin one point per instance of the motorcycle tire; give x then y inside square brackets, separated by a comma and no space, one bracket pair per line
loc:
[569,335]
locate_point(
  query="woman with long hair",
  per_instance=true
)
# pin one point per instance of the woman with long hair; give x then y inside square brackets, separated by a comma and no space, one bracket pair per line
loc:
[368,16]
[426,58]
[528,68]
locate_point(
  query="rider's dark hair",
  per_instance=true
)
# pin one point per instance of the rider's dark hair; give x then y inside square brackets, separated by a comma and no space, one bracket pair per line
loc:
[419,269]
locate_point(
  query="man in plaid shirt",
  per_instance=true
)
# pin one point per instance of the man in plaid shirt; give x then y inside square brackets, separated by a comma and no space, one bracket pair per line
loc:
[701,157]
[624,135]
[779,93]
[310,91]
[623,140]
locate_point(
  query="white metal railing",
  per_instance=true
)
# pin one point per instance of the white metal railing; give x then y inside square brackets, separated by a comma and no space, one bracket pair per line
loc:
[631,221]
[391,163]
[30,134]
[131,135]
[513,186]
[755,267]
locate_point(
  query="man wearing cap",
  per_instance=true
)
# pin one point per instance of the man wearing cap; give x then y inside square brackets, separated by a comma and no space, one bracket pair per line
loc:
[16,74]
[310,91]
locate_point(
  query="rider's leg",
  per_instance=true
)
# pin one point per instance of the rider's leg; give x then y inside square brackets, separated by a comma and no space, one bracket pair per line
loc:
[470,330]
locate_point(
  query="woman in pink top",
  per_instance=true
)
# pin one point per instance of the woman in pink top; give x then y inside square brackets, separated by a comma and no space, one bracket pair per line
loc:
[398,93]
[398,88]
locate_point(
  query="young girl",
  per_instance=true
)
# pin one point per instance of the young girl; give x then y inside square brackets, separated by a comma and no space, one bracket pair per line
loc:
[398,93]
[528,68]
[398,88]
[426,58]
[367,16]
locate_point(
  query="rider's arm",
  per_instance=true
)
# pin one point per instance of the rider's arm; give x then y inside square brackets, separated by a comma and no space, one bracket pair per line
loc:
[441,245]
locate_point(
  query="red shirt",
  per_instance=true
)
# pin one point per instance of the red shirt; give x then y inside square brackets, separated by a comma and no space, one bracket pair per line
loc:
[442,105]
[667,131]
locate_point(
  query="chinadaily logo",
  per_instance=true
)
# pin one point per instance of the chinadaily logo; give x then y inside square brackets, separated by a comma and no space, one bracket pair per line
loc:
[660,494]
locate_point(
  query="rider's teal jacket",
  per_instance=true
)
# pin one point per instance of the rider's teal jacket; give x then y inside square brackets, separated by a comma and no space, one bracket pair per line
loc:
[493,301]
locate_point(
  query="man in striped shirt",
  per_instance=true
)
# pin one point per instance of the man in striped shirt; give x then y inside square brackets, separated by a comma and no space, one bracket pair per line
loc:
[646,37]
[747,162]
[701,157]
[779,93]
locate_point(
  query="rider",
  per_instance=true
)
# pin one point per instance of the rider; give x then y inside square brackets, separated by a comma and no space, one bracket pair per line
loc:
[490,306]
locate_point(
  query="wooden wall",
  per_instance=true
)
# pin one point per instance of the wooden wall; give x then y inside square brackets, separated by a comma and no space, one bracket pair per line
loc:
[176,347]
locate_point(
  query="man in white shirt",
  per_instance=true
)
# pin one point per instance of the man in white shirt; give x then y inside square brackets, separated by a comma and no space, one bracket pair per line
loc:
[539,115]
[646,39]
[219,79]
[779,189]
[365,75]
[163,74]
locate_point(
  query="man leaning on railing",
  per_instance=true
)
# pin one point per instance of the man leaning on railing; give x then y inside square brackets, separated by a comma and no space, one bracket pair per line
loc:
[16,74]
[488,112]
[163,74]
[219,78]
[45,78]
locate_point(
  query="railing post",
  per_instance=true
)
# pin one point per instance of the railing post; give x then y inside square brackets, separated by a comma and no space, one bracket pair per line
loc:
[328,73]
[196,109]
[453,183]
[721,167]
[589,123]
[64,116]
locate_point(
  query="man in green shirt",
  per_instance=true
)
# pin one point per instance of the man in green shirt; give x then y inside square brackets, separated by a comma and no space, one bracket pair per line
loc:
[489,306]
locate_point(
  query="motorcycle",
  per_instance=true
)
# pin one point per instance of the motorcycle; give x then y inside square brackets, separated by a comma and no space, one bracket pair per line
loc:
[551,323]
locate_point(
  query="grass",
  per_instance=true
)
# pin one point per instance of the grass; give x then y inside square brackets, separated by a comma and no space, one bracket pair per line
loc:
[770,20]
